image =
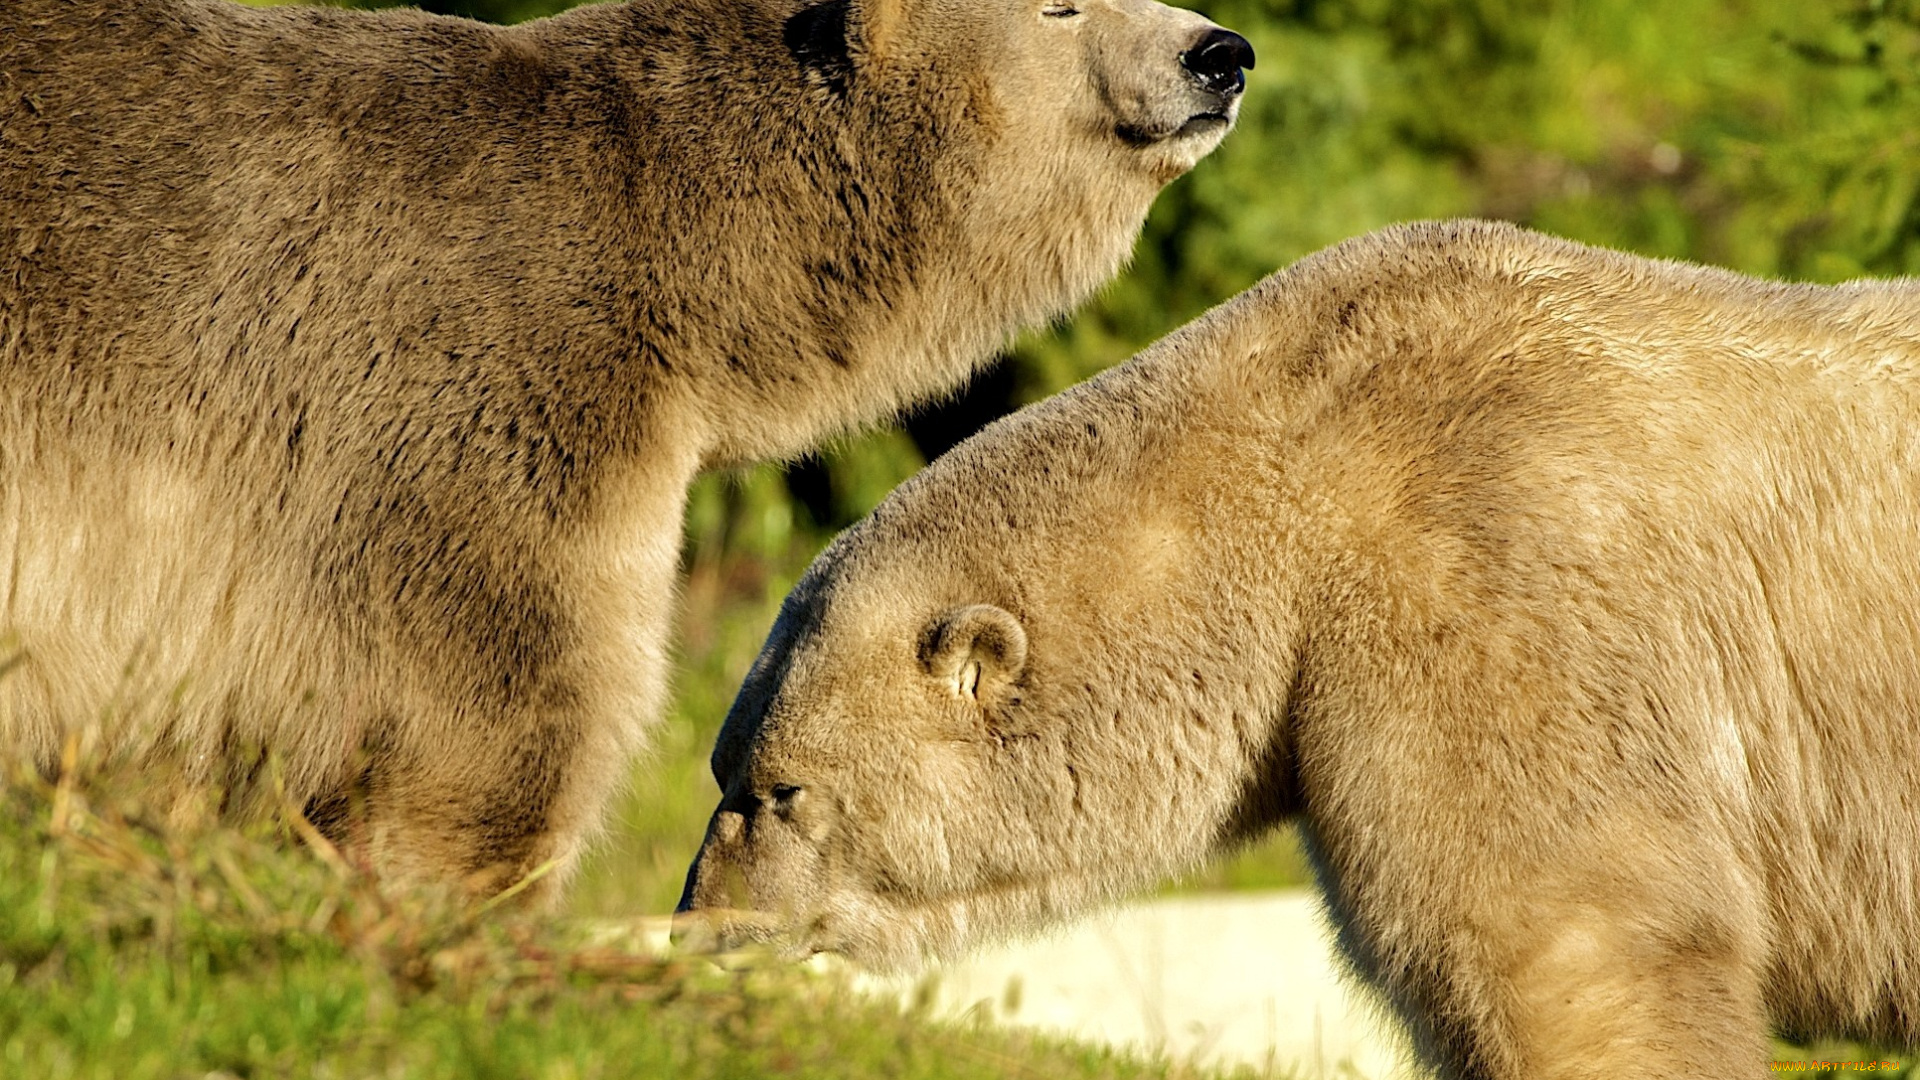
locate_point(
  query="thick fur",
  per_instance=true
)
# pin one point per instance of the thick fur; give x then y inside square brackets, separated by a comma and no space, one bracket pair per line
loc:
[353,366]
[1570,600]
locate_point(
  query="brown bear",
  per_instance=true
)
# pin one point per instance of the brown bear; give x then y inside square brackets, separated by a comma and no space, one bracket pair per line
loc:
[1569,600]
[353,366]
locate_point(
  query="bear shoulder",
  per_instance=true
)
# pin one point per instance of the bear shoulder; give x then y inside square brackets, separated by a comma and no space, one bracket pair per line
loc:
[1488,290]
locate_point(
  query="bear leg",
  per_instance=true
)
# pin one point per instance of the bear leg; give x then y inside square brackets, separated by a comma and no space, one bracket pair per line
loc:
[488,809]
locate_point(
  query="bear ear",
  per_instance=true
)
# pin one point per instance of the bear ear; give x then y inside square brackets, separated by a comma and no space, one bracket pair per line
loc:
[816,36]
[977,651]
[824,36]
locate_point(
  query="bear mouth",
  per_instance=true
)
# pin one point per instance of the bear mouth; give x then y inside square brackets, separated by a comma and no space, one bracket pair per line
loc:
[1199,124]
[1205,123]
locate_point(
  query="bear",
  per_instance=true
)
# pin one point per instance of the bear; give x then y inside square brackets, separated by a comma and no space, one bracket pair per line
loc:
[1568,601]
[354,366]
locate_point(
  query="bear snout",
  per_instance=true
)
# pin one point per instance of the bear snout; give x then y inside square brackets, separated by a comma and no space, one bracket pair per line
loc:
[1219,60]
[720,930]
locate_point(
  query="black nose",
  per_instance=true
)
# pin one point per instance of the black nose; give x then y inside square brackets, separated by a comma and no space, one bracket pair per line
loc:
[1217,59]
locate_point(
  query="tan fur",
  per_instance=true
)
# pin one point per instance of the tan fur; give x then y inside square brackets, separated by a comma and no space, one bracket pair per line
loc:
[1570,600]
[353,366]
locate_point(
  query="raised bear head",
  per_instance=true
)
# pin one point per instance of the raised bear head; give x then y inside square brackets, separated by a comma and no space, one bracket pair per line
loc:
[924,178]
[1048,126]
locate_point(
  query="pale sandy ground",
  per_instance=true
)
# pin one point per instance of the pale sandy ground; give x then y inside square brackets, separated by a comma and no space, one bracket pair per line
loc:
[1229,978]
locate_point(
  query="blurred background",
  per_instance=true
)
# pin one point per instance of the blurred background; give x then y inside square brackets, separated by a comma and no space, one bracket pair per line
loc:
[1776,137]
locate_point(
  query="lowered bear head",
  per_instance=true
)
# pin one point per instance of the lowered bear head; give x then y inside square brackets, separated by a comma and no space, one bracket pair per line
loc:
[1031,680]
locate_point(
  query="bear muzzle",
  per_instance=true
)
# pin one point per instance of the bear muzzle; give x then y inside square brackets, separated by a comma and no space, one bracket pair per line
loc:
[714,930]
[1194,103]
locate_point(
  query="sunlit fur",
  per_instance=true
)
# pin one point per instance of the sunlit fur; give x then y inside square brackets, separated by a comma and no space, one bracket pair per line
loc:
[353,365]
[1570,600]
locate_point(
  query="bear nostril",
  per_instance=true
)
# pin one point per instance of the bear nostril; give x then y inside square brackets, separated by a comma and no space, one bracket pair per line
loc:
[1218,59]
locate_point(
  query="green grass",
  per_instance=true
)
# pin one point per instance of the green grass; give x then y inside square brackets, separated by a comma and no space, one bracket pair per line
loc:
[129,952]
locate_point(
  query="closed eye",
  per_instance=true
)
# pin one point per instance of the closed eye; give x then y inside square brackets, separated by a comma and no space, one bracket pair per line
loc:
[1060,11]
[784,798]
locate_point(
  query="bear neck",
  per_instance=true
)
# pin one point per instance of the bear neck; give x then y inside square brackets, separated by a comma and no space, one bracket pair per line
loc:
[850,265]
